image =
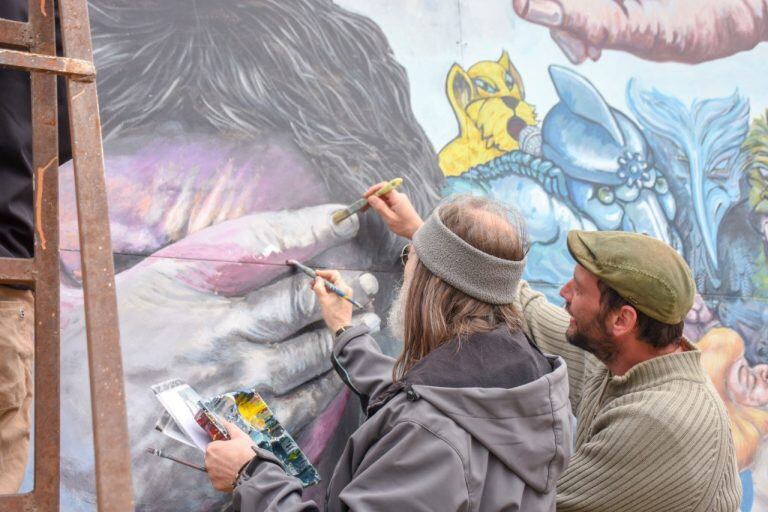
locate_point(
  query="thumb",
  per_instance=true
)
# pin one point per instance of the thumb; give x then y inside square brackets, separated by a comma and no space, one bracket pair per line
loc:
[318,286]
[234,431]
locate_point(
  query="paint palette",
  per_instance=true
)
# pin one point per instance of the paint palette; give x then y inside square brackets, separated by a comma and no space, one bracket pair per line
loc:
[251,413]
[194,421]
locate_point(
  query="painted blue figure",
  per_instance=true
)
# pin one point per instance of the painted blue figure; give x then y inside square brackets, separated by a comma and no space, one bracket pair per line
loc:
[596,172]
[700,148]
[609,164]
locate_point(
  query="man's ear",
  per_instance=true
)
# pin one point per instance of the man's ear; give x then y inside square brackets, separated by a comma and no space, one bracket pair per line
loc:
[506,63]
[624,321]
[458,86]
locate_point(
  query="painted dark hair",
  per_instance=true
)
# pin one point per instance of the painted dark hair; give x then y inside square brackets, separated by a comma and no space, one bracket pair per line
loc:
[319,74]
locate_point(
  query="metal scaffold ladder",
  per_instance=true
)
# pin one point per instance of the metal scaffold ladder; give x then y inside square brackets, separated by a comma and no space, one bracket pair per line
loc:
[30,46]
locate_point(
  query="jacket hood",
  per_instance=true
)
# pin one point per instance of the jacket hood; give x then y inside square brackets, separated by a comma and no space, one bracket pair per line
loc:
[507,395]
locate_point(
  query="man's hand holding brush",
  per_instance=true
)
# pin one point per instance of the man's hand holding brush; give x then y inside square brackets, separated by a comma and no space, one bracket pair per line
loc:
[337,312]
[396,210]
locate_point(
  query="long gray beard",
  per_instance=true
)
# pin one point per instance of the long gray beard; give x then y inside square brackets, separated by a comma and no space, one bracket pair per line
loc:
[396,315]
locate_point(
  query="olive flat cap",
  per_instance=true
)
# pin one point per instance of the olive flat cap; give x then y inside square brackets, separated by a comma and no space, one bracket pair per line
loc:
[646,272]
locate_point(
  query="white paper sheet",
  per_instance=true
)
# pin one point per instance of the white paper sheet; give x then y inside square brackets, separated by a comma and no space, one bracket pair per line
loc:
[181,404]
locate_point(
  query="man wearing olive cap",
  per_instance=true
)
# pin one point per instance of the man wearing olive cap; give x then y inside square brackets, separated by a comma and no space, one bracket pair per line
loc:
[652,434]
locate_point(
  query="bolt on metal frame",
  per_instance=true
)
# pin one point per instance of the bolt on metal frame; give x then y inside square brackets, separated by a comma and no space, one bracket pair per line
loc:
[30,46]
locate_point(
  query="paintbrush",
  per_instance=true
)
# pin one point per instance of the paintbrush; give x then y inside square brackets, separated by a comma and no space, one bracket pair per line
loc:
[330,286]
[161,453]
[362,203]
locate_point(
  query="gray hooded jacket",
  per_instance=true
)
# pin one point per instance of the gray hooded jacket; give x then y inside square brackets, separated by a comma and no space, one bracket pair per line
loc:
[479,425]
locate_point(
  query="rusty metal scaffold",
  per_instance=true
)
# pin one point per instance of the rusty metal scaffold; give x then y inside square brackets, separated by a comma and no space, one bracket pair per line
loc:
[30,46]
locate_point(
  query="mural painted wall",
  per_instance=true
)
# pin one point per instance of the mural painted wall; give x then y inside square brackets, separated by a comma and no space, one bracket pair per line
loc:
[232,130]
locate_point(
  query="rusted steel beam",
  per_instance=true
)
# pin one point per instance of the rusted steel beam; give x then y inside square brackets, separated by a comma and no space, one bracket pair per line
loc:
[14,34]
[45,271]
[45,150]
[17,271]
[110,428]
[73,68]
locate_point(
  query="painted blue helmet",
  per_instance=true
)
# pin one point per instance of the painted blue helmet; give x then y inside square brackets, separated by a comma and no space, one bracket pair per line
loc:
[593,142]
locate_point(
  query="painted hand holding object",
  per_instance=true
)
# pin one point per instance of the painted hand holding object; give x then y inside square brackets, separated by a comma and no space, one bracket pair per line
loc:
[689,31]
[220,310]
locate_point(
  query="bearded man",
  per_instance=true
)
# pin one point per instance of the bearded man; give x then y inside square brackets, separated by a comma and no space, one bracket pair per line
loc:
[648,415]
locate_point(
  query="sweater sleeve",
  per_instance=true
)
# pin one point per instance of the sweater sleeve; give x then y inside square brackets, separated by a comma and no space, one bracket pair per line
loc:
[409,468]
[546,325]
[637,460]
[360,363]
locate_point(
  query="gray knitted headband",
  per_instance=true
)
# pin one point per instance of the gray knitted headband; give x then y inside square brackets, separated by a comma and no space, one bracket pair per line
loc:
[478,274]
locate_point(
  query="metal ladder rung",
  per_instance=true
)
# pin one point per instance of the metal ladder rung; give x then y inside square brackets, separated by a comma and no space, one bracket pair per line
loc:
[15,33]
[17,271]
[77,69]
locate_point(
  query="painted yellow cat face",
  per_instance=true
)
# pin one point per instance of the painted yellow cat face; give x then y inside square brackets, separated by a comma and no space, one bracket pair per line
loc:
[490,96]
[496,78]
[488,100]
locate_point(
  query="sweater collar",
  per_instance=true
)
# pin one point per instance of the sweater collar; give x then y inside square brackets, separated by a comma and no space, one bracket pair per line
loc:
[684,365]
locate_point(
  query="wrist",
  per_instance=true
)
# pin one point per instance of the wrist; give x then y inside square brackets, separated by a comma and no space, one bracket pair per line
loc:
[413,228]
[244,457]
[252,454]
[340,330]
[334,324]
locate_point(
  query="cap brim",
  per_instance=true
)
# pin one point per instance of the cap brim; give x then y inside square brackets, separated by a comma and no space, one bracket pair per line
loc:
[580,251]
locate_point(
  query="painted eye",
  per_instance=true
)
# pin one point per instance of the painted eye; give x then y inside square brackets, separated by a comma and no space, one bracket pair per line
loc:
[605,195]
[720,170]
[508,81]
[661,186]
[485,85]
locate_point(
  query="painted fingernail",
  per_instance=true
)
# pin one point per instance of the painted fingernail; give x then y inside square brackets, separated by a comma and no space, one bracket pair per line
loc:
[369,284]
[347,228]
[371,320]
[594,52]
[544,12]
[573,48]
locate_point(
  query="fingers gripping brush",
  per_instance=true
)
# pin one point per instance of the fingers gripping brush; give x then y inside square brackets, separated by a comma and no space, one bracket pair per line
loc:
[329,286]
[362,203]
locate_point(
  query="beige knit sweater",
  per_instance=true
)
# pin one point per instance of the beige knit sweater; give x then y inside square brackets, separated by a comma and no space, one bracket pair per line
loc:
[655,439]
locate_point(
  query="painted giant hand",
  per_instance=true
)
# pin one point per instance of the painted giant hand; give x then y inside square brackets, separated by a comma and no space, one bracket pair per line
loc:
[661,30]
[217,308]
[220,166]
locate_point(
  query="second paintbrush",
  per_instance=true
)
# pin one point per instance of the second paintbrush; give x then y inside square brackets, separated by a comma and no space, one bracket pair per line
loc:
[329,285]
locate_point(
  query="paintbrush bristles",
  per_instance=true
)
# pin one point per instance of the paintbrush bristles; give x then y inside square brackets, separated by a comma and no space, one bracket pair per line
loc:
[339,216]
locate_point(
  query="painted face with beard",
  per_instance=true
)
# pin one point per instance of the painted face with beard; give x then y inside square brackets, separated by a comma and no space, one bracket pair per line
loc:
[587,328]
